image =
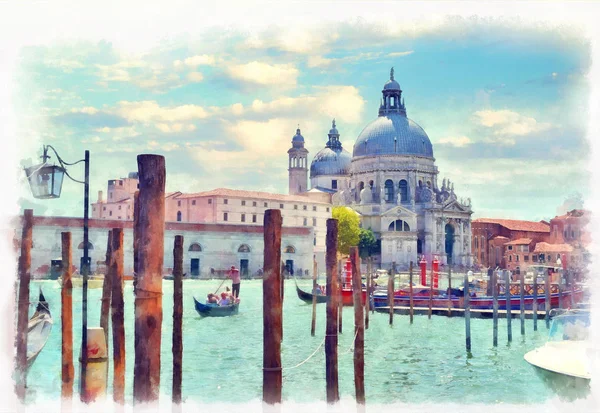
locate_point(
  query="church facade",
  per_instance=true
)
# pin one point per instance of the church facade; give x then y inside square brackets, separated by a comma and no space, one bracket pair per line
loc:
[391,181]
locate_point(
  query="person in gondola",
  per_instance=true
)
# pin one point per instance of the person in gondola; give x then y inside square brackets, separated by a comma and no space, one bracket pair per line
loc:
[234,274]
[318,290]
[212,299]
[225,299]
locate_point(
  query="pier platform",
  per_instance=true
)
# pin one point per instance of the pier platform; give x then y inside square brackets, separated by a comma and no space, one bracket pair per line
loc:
[460,312]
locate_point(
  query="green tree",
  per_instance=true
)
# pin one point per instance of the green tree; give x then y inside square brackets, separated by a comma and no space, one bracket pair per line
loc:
[348,228]
[367,244]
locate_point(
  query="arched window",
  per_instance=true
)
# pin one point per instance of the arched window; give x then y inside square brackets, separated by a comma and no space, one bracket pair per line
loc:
[399,225]
[403,186]
[389,191]
[90,246]
[195,247]
[361,186]
[244,248]
[476,243]
[371,184]
[178,216]
[429,184]
[289,250]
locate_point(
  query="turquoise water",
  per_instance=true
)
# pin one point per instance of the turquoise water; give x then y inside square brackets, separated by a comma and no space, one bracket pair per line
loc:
[422,362]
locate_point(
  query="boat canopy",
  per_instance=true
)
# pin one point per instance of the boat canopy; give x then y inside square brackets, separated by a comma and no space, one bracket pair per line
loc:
[573,325]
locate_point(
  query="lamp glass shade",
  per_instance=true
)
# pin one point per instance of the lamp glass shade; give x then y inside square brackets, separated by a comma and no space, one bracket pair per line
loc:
[45,180]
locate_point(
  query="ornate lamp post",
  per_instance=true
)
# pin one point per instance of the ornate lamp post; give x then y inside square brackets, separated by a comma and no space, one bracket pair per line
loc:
[46,183]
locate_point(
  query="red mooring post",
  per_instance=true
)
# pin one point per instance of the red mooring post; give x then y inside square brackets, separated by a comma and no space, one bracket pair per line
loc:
[272,308]
[423,265]
[331,330]
[177,348]
[436,272]
[23,303]
[117,314]
[106,293]
[150,234]
[66,320]
[359,329]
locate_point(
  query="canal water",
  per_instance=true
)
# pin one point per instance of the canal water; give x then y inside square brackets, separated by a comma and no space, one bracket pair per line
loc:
[222,360]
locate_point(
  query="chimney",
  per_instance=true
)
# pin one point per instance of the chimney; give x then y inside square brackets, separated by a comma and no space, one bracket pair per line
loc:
[99,197]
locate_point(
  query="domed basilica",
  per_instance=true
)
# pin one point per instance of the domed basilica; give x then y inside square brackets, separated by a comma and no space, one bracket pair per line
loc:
[391,181]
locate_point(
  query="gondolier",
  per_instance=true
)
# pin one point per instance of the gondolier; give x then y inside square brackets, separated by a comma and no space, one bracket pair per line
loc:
[234,274]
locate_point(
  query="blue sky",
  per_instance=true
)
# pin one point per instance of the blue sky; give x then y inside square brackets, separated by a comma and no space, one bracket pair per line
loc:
[505,105]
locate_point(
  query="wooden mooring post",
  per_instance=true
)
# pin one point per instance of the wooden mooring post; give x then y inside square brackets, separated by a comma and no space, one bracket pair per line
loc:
[313,321]
[547,302]
[149,231]
[391,292]
[535,300]
[372,285]
[410,292]
[106,292]
[368,294]
[66,319]
[340,300]
[359,329]
[467,313]
[508,297]
[23,304]
[272,308]
[560,289]
[177,346]
[430,293]
[522,301]
[331,331]
[449,291]
[115,271]
[495,307]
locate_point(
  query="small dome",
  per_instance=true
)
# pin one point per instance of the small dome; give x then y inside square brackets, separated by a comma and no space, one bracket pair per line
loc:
[298,136]
[333,130]
[366,195]
[391,85]
[330,161]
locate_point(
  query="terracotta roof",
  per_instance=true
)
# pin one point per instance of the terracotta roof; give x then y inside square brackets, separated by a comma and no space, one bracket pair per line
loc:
[239,193]
[545,247]
[520,241]
[516,225]
[574,214]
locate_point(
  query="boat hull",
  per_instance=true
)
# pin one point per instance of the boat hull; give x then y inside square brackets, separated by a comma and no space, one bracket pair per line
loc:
[308,297]
[215,311]
[77,282]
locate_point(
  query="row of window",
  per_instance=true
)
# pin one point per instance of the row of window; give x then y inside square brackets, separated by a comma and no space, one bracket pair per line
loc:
[104,208]
[534,258]
[519,248]
[244,248]
[254,203]
[243,217]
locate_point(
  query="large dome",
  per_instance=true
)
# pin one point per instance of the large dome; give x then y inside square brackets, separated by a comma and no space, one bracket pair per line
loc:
[330,161]
[393,134]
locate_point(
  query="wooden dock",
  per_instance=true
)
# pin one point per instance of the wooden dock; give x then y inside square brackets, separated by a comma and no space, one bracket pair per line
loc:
[458,312]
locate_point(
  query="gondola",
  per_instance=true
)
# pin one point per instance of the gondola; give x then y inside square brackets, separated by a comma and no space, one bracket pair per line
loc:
[38,329]
[308,297]
[213,310]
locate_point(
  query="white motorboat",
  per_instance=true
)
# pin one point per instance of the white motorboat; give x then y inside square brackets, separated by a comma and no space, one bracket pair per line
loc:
[564,362]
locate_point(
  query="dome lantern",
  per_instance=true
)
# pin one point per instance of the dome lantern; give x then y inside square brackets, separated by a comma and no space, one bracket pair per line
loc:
[392,97]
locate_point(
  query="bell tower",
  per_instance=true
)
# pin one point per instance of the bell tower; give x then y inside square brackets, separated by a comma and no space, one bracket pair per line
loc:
[297,166]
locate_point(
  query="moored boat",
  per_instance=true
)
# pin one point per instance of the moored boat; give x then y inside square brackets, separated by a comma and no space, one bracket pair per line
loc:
[308,297]
[215,310]
[38,329]
[94,281]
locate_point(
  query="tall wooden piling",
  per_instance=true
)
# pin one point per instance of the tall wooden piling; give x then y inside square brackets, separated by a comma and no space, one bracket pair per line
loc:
[410,292]
[359,329]
[66,319]
[149,229]
[467,314]
[522,301]
[569,288]
[272,308]
[547,302]
[430,293]
[391,292]
[115,271]
[535,300]
[508,297]
[495,307]
[450,291]
[331,331]
[372,284]
[560,290]
[177,346]
[368,295]
[313,321]
[23,303]
[340,300]
[106,292]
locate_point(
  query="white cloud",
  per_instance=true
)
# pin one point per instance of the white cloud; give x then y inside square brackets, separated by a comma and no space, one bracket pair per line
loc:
[264,74]
[175,127]
[193,61]
[320,61]
[89,110]
[93,139]
[400,54]
[458,141]
[150,111]
[507,122]
[195,77]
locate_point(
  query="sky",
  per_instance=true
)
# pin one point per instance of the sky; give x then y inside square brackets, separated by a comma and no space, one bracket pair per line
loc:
[504,103]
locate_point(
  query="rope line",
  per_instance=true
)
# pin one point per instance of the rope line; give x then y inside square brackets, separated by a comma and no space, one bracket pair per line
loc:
[352,344]
[309,357]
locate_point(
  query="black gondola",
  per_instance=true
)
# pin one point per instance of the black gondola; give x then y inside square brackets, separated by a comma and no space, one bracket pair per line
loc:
[308,297]
[215,310]
[38,329]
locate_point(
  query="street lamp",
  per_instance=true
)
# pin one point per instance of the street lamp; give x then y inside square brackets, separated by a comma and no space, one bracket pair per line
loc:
[46,183]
